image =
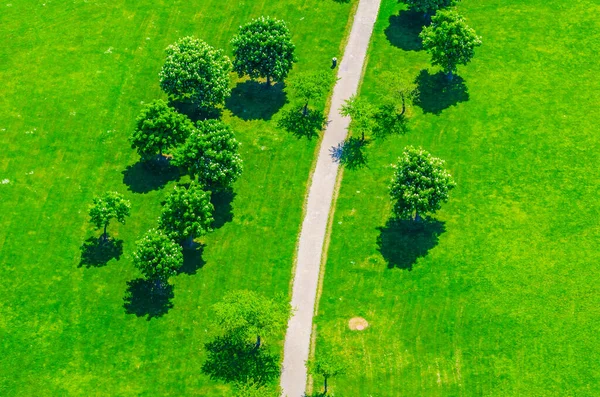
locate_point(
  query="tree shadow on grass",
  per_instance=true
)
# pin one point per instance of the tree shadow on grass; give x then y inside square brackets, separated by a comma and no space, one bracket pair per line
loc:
[350,153]
[402,242]
[252,100]
[192,260]
[295,122]
[146,176]
[96,252]
[143,298]
[232,360]
[222,200]
[194,112]
[404,29]
[437,93]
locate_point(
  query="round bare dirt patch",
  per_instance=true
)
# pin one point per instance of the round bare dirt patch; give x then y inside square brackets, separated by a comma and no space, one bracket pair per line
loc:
[358,324]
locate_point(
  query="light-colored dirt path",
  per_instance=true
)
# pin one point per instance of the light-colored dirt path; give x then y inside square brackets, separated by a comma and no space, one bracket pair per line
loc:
[312,235]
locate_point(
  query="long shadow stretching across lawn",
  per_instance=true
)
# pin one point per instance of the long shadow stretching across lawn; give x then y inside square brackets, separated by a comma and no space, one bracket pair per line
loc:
[146,176]
[222,200]
[350,153]
[437,93]
[252,100]
[192,260]
[404,29]
[302,125]
[231,360]
[96,252]
[194,112]
[144,299]
[401,242]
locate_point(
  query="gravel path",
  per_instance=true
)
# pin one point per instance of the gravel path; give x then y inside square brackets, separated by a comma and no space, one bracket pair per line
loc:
[320,197]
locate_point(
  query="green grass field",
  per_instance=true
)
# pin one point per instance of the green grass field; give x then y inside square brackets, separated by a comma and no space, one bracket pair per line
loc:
[500,296]
[74,77]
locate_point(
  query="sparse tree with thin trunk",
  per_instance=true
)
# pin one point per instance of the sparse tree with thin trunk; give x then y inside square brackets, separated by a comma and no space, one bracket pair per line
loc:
[106,207]
[251,316]
[328,366]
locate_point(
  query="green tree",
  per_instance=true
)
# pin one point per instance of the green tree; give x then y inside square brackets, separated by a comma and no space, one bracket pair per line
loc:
[211,154]
[429,7]
[263,48]
[158,128]
[420,184]
[328,366]
[362,114]
[391,116]
[106,207]
[449,41]
[187,213]
[248,315]
[196,71]
[157,257]
[311,87]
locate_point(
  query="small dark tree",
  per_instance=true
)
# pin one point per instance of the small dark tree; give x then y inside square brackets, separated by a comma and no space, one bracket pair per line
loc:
[247,315]
[311,87]
[159,128]
[211,154]
[429,7]
[106,207]
[196,71]
[328,366]
[187,213]
[263,48]
[157,257]
[420,184]
[449,41]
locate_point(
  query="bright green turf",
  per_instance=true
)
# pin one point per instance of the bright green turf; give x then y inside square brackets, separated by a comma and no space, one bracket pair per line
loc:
[67,106]
[507,303]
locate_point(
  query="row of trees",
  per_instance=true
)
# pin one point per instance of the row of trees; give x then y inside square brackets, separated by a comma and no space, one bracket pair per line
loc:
[195,71]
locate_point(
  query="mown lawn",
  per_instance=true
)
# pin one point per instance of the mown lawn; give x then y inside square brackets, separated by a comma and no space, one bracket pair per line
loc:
[499,296]
[74,77]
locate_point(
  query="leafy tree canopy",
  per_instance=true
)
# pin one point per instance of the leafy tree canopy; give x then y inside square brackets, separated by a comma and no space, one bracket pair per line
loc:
[187,213]
[420,184]
[157,256]
[195,70]
[263,48]
[449,41]
[312,87]
[328,366]
[429,6]
[106,207]
[248,315]
[211,154]
[159,128]
[362,114]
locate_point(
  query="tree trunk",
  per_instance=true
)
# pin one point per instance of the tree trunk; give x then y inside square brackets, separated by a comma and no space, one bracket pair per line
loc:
[105,236]
[257,344]
[190,241]
[363,136]
[417,217]
[268,81]
[325,386]
[305,109]
[403,104]
[450,75]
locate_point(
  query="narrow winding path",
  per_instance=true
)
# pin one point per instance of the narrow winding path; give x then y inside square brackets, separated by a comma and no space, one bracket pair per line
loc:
[320,197]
